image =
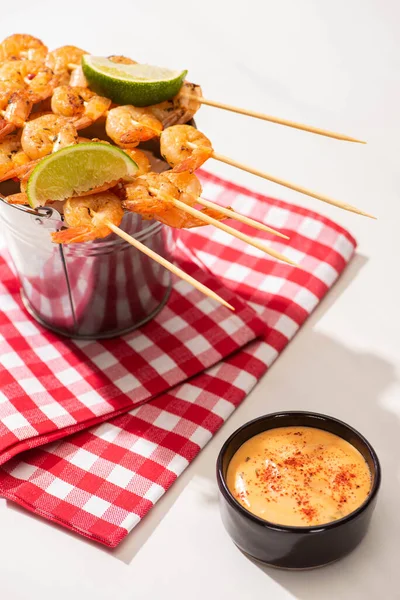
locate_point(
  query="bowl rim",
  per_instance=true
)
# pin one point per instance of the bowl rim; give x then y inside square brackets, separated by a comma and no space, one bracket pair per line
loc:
[291,528]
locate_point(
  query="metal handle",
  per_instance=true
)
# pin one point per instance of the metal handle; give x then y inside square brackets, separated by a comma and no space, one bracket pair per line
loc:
[42,211]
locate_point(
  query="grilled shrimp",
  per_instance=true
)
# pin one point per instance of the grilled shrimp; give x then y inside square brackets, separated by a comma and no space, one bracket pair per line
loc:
[21,198]
[149,196]
[85,218]
[190,189]
[47,134]
[81,105]
[127,125]
[22,46]
[15,108]
[61,59]
[188,185]
[152,197]
[140,159]
[77,78]
[185,148]
[180,109]
[33,77]
[9,148]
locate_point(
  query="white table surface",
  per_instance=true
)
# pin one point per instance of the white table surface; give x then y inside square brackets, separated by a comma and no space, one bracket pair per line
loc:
[332,64]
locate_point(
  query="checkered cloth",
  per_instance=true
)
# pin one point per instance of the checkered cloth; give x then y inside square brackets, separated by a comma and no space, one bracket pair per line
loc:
[52,387]
[101,481]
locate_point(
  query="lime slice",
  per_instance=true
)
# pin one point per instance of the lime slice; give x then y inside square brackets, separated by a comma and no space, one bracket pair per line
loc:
[140,85]
[77,169]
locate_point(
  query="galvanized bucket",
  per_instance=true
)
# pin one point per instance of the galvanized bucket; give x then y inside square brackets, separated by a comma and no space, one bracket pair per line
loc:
[92,290]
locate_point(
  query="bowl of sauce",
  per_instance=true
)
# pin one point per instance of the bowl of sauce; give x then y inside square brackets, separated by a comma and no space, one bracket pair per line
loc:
[297,489]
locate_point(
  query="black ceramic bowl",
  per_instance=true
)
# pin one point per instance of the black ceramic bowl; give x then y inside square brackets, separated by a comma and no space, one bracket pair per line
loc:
[286,546]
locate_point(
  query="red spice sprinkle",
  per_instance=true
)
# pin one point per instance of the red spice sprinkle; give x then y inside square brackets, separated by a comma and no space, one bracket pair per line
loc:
[31,76]
[309,512]
[343,478]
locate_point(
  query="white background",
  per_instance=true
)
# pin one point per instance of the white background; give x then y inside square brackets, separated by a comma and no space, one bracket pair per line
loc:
[332,64]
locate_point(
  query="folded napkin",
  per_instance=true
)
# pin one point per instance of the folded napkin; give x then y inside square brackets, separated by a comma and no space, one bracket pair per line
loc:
[51,387]
[102,481]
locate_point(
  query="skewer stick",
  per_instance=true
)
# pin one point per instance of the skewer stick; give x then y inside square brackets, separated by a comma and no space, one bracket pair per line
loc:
[237,234]
[238,216]
[271,119]
[292,186]
[167,264]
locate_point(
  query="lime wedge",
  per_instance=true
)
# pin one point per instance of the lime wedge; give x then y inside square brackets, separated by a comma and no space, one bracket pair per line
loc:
[140,85]
[77,169]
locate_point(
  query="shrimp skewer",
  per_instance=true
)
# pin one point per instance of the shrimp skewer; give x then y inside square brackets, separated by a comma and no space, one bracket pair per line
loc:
[127,126]
[186,149]
[97,216]
[151,196]
[86,218]
[156,195]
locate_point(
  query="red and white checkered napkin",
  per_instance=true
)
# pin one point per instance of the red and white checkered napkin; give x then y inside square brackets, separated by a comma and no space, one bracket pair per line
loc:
[52,387]
[100,482]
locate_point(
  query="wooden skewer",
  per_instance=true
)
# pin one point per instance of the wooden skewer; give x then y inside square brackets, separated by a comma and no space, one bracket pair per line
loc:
[287,123]
[167,264]
[238,216]
[211,221]
[292,186]
[237,234]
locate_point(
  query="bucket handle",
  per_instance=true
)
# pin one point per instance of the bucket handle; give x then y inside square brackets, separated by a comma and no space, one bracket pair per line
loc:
[45,212]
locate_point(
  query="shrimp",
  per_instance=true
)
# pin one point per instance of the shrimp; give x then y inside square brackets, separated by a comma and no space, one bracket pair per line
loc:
[47,134]
[81,105]
[127,125]
[9,147]
[152,196]
[61,59]
[190,189]
[184,148]
[22,46]
[188,185]
[15,108]
[77,78]
[21,199]
[85,218]
[36,79]
[140,159]
[180,109]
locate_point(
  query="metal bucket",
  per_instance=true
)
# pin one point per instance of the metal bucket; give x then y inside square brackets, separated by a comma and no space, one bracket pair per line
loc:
[92,290]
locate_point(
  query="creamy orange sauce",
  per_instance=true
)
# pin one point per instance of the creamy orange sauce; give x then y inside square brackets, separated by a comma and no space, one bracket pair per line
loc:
[299,476]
